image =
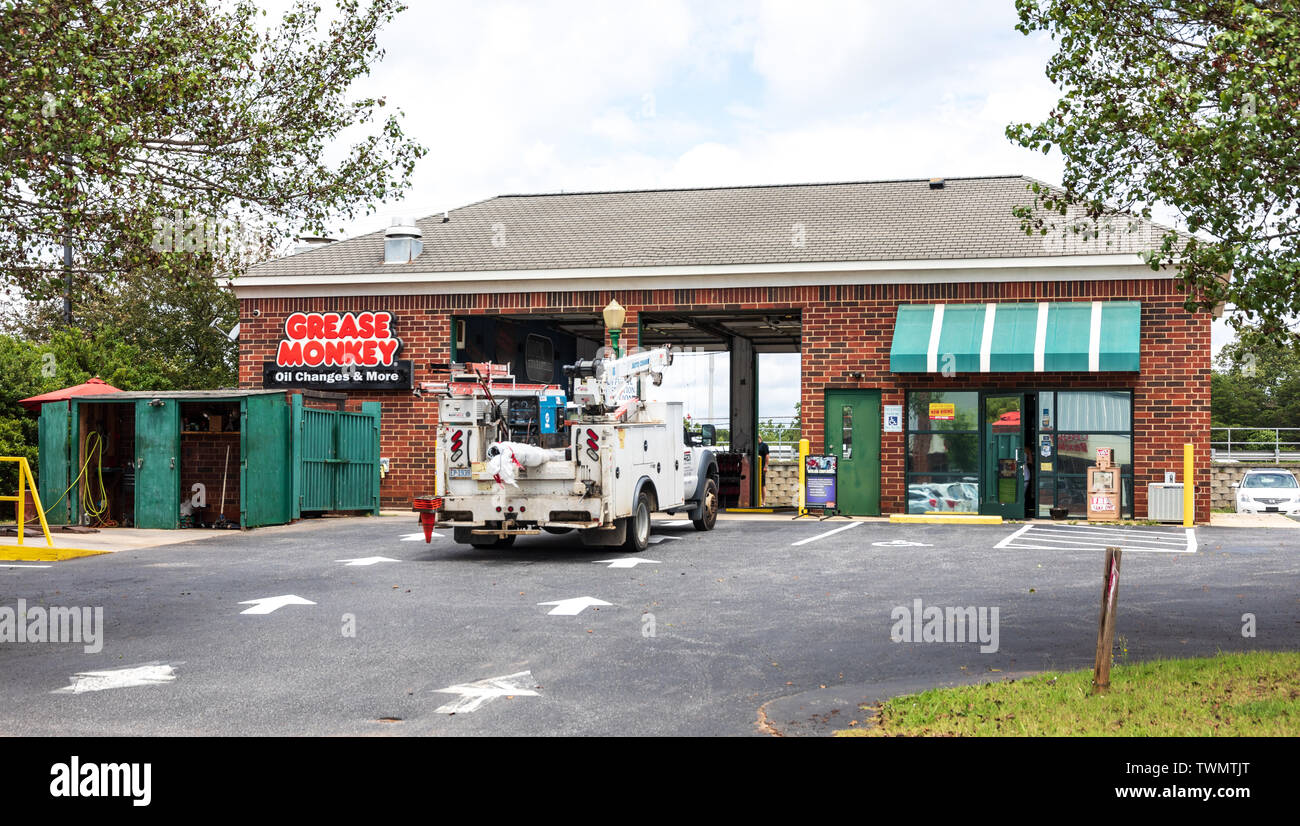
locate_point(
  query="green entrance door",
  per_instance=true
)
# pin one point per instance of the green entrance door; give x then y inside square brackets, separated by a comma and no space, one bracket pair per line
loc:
[853,435]
[157,453]
[1002,482]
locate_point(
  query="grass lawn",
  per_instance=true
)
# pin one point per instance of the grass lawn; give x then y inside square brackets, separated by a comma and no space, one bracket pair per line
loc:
[1231,694]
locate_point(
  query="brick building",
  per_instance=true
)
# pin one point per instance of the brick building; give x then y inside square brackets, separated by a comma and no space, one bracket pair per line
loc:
[950,361]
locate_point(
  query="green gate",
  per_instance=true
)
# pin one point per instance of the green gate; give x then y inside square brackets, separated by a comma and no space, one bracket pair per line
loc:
[336,466]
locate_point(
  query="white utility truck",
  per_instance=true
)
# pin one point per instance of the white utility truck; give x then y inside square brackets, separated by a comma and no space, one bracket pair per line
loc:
[516,459]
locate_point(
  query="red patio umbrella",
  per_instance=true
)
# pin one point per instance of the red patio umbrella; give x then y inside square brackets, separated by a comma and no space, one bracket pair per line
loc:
[93,387]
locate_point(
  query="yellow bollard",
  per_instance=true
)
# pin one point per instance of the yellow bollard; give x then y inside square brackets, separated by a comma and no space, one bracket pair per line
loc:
[805,447]
[1189,500]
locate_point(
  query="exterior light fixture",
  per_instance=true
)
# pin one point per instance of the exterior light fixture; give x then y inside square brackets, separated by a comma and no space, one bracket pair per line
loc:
[615,315]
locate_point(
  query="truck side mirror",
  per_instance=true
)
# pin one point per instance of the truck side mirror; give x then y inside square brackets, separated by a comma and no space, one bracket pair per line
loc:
[709,435]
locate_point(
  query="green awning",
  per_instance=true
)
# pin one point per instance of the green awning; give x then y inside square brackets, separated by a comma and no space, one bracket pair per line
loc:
[1043,337]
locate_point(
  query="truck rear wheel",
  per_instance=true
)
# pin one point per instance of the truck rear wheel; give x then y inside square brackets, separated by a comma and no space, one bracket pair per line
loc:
[708,507]
[638,525]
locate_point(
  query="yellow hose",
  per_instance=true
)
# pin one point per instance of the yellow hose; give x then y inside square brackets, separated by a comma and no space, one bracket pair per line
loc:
[92,445]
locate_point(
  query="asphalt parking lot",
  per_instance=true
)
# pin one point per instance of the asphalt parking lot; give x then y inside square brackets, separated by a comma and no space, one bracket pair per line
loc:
[759,627]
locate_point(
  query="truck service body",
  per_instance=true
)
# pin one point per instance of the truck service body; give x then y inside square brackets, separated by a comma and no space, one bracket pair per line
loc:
[515,459]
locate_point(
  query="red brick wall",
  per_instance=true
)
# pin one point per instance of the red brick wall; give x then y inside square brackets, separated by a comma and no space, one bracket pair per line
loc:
[845,329]
[203,456]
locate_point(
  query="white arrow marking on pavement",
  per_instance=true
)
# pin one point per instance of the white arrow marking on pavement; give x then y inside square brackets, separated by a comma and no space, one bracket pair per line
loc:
[365,560]
[655,540]
[474,695]
[573,607]
[901,543]
[676,523]
[416,537]
[627,562]
[118,678]
[266,605]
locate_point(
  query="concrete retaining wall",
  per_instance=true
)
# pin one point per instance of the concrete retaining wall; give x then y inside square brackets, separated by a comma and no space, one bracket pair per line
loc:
[782,484]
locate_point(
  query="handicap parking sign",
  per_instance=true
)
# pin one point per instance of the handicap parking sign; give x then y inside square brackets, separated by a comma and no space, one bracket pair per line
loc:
[893,418]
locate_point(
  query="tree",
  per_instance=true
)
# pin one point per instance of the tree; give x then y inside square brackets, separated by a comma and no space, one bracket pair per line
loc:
[69,357]
[147,132]
[1257,385]
[1192,104]
[177,320]
[773,431]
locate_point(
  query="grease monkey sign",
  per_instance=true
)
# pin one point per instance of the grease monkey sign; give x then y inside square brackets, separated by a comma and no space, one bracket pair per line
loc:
[339,351]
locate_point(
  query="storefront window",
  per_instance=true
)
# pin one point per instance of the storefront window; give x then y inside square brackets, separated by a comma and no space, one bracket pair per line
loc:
[1076,452]
[1062,431]
[1085,422]
[1095,411]
[942,494]
[937,410]
[943,452]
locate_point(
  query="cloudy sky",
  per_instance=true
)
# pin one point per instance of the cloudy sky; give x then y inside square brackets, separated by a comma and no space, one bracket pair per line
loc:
[515,97]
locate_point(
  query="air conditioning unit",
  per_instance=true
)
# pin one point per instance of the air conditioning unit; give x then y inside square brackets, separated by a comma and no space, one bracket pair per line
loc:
[1165,502]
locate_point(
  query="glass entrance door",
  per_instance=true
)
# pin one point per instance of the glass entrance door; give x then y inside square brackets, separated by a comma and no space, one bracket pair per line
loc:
[1003,477]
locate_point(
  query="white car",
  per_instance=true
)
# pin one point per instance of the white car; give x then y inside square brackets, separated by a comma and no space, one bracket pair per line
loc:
[1268,491]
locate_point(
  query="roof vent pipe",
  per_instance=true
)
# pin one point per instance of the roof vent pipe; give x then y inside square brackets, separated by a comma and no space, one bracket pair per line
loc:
[936,183]
[402,241]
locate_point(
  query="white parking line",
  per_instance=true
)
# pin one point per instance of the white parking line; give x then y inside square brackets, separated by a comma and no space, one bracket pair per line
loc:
[1091,538]
[24,566]
[824,535]
[1108,529]
[1178,540]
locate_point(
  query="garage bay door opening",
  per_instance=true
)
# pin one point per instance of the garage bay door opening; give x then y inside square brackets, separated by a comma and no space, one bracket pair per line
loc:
[762,350]
[537,346]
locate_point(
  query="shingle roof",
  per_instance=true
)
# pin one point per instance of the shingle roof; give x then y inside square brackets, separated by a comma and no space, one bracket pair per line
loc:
[864,221]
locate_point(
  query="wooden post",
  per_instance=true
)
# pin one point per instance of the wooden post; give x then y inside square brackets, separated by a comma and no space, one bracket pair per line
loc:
[1106,623]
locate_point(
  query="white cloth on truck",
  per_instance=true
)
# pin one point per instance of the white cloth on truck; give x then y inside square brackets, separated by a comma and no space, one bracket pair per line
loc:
[506,458]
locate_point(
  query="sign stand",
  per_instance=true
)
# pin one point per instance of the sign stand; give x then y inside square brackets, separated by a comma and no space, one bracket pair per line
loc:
[819,485]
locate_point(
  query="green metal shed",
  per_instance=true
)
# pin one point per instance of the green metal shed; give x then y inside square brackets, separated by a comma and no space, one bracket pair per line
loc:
[166,459]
